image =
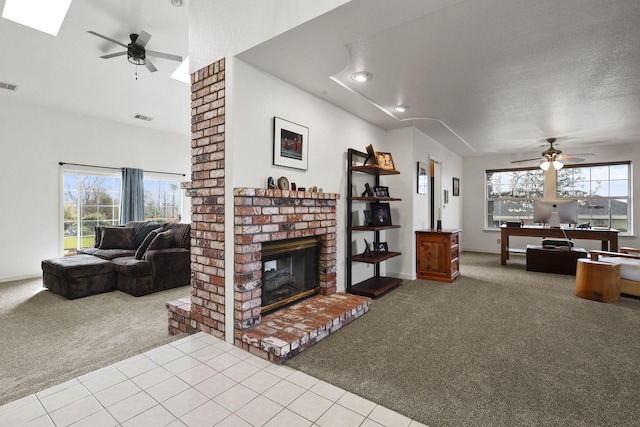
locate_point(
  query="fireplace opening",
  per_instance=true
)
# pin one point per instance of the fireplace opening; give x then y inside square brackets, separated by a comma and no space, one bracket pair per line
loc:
[289,271]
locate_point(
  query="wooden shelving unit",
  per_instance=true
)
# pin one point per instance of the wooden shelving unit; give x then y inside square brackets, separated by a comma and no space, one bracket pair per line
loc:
[376,285]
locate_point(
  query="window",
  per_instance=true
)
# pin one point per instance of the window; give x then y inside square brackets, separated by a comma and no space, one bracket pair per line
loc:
[92,198]
[89,200]
[510,195]
[603,192]
[161,200]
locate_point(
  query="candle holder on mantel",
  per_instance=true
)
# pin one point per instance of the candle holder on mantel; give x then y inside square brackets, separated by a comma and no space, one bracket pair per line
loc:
[439,225]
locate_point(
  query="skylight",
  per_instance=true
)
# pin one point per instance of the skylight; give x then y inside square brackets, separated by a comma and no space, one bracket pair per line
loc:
[182,72]
[42,15]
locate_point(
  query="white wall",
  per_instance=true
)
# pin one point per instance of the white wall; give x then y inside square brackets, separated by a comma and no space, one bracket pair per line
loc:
[34,140]
[257,98]
[476,238]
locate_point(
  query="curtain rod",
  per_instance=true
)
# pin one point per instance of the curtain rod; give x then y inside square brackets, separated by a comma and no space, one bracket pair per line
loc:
[107,167]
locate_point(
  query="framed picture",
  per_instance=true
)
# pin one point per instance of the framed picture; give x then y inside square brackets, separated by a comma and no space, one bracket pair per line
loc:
[381,214]
[446,196]
[384,161]
[290,144]
[456,187]
[380,247]
[423,178]
[368,219]
[371,155]
[380,191]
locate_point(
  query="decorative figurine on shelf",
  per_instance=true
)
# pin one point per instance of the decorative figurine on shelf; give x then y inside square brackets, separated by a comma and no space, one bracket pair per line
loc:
[271,184]
[367,251]
[367,190]
[368,219]
[293,186]
[371,155]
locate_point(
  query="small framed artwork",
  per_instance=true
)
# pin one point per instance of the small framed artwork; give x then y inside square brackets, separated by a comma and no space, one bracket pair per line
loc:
[385,161]
[379,191]
[380,247]
[456,187]
[446,196]
[368,219]
[290,144]
[423,178]
[381,214]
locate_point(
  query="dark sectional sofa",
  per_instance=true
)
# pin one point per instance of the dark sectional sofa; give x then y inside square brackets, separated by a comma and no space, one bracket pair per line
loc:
[138,258]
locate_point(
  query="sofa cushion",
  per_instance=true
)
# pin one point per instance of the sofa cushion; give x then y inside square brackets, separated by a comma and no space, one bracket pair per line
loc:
[142,249]
[117,238]
[163,240]
[107,254]
[132,267]
[142,232]
[629,267]
[76,266]
[182,234]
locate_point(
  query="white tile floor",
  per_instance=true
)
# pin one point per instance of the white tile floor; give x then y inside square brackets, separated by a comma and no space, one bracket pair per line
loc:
[197,381]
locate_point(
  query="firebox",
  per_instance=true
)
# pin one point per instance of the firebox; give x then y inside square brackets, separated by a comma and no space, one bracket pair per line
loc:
[289,271]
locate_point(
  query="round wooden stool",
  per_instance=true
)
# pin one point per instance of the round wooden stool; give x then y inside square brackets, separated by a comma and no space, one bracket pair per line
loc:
[597,281]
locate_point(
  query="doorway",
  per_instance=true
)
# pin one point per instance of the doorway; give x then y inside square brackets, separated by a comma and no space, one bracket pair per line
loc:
[435,184]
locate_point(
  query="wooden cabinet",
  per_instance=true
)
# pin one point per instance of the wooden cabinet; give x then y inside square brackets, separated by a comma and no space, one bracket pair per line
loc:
[437,254]
[376,284]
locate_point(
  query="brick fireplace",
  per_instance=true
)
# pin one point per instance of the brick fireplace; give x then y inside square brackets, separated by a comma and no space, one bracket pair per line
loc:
[260,215]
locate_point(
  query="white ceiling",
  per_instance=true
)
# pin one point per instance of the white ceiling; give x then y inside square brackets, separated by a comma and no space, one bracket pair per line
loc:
[66,71]
[479,76]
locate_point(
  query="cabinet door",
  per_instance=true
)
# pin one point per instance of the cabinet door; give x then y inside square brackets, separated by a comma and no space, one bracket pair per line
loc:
[434,257]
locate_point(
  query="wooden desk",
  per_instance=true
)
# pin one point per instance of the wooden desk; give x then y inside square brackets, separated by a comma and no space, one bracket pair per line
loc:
[609,238]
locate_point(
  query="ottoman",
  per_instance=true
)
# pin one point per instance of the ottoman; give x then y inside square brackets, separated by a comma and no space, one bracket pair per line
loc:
[78,276]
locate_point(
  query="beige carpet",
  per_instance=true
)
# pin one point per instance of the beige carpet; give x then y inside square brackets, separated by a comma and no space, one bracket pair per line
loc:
[46,339]
[498,347]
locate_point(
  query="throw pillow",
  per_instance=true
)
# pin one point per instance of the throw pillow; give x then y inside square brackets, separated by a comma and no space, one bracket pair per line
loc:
[182,234]
[142,249]
[163,240]
[97,236]
[142,232]
[117,238]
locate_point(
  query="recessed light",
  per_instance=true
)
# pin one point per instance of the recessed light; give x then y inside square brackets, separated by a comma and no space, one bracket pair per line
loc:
[361,76]
[400,108]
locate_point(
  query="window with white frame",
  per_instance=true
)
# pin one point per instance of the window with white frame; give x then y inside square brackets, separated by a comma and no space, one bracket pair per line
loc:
[603,192]
[91,197]
[510,194]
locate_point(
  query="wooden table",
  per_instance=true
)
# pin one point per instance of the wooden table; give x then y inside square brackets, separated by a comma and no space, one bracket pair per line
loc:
[609,238]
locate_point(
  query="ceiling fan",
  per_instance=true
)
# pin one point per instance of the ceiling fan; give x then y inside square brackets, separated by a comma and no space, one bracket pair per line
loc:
[554,157]
[136,52]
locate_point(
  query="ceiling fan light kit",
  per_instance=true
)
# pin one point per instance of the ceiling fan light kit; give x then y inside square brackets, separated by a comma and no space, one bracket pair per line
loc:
[136,52]
[552,157]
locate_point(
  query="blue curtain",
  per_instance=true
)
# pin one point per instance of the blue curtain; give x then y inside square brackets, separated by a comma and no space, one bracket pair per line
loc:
[132,202]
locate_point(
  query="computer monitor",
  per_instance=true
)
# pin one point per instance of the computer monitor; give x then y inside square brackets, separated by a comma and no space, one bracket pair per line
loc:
[545,212]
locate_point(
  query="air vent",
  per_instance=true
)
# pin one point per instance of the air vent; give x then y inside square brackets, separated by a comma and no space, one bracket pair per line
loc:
[141,117]
[8,86]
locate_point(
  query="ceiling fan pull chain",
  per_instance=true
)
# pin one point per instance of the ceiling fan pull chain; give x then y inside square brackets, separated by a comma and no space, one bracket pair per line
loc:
[136,72]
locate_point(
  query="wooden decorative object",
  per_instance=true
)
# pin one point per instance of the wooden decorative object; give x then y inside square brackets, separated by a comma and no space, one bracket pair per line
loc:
[598,281]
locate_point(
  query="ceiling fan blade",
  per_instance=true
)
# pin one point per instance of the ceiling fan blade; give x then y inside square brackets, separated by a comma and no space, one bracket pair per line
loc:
[143,39]
[113,55]
[526,160]
[108,39]
[164,55]
[150,66]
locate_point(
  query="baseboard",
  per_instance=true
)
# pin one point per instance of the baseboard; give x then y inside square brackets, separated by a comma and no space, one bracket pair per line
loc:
[15,279]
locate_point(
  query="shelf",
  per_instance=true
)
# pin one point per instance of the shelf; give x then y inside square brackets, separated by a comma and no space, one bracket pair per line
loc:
[375,199]
[375,286]
[374,170]
[368,228]
[375,258]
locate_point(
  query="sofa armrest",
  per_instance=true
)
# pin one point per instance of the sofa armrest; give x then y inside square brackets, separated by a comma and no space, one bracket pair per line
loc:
[171,267]
[595,255]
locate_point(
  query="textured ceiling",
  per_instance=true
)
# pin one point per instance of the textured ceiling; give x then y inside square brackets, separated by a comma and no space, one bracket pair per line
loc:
[480,76]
